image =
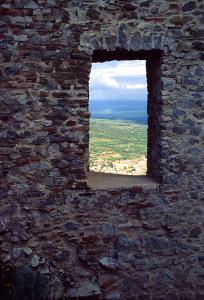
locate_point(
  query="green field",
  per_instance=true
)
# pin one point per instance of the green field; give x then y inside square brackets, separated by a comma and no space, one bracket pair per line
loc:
[114,139]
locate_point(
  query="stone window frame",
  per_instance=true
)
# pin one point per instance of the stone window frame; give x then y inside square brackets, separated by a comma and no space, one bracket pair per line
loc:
[153,60]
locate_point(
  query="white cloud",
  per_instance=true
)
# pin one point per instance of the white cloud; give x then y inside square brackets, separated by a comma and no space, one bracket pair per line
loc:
[109,74]
[135,86]
[107,79]
[118,80]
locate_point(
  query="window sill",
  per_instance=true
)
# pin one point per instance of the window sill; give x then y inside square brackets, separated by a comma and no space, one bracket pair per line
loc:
[102,181]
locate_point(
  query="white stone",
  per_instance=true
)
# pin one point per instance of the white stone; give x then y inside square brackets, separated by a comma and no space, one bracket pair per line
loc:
[27,250]
[20,38]
[5,257]
[108,262]
[35,261]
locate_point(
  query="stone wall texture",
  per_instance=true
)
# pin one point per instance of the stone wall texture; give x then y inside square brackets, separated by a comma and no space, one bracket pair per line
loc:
[66,240]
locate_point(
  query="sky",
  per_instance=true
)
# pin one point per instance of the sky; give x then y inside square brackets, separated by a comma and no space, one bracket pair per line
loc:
[118,80]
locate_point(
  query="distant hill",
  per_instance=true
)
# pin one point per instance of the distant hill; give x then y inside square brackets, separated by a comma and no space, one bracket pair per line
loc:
[119,110]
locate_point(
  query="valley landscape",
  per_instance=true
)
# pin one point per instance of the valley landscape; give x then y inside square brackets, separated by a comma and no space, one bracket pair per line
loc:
[118,138]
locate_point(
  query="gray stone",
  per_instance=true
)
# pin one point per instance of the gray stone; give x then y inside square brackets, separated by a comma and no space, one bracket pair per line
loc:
[126,260]
[145,3]
[179,113]
[196,131]
[199,71]
[2,227]
[199,46]
[146,42]
[22,20]
[192,55]
[122,36]
[16,252]
[51,3]
[11,71]
[59,293]
[113,296]
[89,289]
[62,163]
[31,4]
[136,42]
[123,242]
[111,42]
[170,178]
[109,263]
[108,230]
[132,285]
[45,270]
[51,86]
[21,38]
[190,81]
[189,6]
[72,294]
[5,257]
[62,256]
[54,173]
[168,83]
[201,260]
[179,129]
[18,117]
[28,284]
[71,226]
[54,148]
[3,45]
[195,232]
[195,151]
[94,43]
[157,42]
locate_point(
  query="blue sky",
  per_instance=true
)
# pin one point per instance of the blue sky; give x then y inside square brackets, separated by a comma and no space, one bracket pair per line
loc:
[118,80]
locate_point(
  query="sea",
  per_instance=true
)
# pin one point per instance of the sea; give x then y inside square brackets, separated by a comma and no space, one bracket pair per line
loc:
[135,111]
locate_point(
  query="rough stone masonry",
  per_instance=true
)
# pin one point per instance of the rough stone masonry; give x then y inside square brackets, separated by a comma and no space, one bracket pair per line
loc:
[63,239]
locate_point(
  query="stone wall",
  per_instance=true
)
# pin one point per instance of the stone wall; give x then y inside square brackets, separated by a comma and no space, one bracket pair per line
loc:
[141,243]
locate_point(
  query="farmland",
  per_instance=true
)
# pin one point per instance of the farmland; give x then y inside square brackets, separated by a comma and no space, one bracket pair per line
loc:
[118,146]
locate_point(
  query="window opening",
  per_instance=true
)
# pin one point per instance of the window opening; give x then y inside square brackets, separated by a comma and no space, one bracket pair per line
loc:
[118,124]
